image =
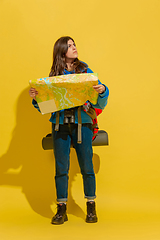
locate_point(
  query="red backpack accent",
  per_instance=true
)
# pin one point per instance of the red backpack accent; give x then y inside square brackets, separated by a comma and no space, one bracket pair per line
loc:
[94,119]
[95,122]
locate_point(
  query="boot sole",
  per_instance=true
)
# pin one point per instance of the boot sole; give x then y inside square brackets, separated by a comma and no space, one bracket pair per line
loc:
[60,222]
[92,221]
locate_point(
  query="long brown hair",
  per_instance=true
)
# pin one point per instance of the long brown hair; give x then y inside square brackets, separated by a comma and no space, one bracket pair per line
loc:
[59,51]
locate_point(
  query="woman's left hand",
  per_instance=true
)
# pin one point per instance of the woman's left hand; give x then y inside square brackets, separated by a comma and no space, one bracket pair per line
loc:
[99,88]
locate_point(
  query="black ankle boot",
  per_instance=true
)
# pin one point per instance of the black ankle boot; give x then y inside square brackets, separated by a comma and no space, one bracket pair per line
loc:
[91,212]
[61,215]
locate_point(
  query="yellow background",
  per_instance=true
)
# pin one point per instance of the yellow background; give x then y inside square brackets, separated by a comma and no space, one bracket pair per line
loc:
[119,40]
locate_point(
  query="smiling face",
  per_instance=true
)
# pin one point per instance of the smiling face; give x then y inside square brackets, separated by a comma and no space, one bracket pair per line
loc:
[72,53]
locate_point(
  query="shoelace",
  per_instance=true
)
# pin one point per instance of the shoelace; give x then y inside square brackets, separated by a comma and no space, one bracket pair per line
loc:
[59,211]
[91,210]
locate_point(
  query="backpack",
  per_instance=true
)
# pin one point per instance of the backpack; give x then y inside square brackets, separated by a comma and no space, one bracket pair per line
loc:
[93,113]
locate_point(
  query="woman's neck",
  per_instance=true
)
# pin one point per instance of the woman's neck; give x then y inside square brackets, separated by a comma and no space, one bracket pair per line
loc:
[69,66]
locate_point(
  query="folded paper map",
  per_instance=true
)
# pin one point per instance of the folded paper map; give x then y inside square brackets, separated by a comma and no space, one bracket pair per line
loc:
[65,91]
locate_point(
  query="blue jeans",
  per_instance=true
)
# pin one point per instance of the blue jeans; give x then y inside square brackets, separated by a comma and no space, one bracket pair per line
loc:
[61,147]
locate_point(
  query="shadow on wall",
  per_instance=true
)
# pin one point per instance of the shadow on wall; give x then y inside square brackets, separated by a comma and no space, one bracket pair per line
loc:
[27,165]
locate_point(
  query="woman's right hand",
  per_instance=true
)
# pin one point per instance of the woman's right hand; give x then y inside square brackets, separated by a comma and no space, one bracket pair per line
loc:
[33,93]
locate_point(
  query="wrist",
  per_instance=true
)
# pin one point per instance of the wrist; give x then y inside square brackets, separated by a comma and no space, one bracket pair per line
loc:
[104,89]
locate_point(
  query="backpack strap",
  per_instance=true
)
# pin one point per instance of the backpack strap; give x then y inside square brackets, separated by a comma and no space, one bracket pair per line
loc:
[79,140]
[87,107]
[57,121]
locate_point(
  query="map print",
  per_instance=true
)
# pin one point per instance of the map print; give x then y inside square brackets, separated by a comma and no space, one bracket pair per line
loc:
[65,91]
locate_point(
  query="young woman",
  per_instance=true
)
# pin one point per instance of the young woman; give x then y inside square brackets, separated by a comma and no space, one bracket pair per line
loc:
[65,61]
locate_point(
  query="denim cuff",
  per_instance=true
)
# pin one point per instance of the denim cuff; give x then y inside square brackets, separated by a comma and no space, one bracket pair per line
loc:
[90,197]
[62,199]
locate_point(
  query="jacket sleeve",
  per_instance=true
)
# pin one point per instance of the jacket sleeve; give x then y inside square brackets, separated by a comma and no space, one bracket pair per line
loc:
[102,97]
[35,104]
